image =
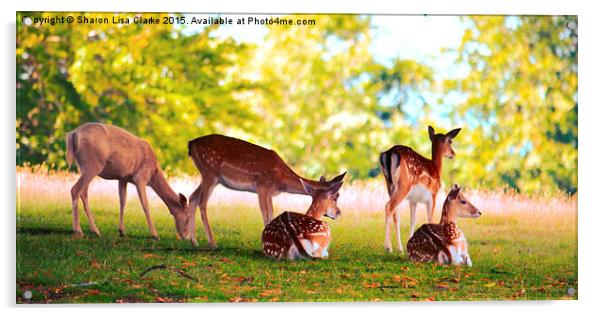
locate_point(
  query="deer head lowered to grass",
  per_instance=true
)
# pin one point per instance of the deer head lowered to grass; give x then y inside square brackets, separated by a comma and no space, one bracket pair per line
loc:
[444,242]
[293,235]
[242,166]
[115,154]
[411,176]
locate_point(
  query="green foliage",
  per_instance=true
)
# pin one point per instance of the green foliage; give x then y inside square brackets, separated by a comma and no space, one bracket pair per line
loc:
[154,81]
[521,103]
[315,94]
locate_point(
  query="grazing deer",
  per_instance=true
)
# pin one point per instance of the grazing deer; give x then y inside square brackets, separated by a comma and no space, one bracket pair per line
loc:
[242,166]
[113,153]
[293,235]
[411,176]
[445,242]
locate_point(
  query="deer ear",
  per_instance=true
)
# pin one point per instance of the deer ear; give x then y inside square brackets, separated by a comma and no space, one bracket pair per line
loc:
[453,133]
[335,187]
[431,132]
[339,178]
[183,200]
[453,194]
[307,187]
[322,179]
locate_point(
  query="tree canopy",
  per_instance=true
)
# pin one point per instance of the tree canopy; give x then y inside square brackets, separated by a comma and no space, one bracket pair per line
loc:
[314,93]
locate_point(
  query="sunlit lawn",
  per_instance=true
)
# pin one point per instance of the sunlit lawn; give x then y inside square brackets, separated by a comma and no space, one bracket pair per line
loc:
[520,254]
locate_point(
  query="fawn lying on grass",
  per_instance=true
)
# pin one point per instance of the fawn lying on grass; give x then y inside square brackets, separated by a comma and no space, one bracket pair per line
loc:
[293,235]
[444,242]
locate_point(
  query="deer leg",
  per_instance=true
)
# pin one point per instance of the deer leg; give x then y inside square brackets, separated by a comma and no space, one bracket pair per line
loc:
[206,190]
[84,197]
[396,224]
[412,218]
[270,209]
[194,203]
[397,198]
[264,201]
[123,185]
[431,208]
[141,188]
[76,192]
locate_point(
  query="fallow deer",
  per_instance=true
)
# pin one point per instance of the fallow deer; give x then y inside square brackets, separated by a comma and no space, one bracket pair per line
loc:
[411,176]
[242,166]
[294,235]
[444,243]
[113,153]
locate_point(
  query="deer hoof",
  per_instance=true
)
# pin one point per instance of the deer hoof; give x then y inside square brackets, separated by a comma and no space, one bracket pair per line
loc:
[194,242]
[96,232]
[388,249]
[121,233]
[212,245]
[156,237]
[78,233]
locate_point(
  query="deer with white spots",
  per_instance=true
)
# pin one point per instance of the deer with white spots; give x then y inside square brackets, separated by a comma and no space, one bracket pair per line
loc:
[411,176]
[113,153]
[242,166]
[294,235]
[444,242]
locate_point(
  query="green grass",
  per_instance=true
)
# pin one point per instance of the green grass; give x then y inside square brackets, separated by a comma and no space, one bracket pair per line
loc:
[515,256]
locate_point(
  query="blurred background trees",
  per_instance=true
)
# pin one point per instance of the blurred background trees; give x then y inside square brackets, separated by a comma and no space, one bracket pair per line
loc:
[315,94]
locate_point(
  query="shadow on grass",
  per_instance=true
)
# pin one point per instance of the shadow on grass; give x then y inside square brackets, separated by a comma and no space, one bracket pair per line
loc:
[44,231]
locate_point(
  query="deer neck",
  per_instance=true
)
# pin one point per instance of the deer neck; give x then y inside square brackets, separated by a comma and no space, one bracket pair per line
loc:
[314,211]
[163,190]
[293,183]
[448,216]
[437,157]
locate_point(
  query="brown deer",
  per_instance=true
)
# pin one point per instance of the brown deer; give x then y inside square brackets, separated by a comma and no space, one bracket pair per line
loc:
[445,242]
[411,176]
[242,166]
[113,153]
[293,235]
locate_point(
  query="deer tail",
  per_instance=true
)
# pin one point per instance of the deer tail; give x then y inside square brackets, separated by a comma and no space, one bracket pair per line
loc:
[71,147]
[385,166]
[190,148]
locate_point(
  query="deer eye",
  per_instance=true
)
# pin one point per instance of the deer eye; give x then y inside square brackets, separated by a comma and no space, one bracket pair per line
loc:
[463,201]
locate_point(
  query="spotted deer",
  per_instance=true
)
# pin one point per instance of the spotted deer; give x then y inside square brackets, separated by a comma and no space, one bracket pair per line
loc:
[294,235]
[113,153]
[444,242]
[242,166]
[411,176]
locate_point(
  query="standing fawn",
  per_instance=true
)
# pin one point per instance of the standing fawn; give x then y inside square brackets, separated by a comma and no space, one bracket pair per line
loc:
[293,235]
[445,242]
[113,153]
[242,166]
[411,176]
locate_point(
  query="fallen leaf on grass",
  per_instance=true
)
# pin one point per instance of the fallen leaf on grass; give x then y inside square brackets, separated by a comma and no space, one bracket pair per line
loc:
[93,292]
[270,292]
[238,299]
[226,260]
[371,285]
[160,299]
[150,255]
[94,264]
[442,286]
[492,284]
[430,299]
[274,299]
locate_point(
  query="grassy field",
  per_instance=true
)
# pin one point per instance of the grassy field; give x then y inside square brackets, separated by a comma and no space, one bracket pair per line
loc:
[522,249]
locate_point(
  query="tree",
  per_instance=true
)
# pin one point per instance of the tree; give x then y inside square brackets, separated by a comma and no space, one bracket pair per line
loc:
[521,103]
